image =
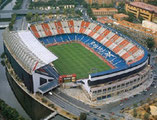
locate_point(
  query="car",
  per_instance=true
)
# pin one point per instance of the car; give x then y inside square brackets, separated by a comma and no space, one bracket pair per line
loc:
[151,94]
[50,93]
[148,88]
[154,86]
[126,99]
[121,104]
[139,93]
[98,108]
[155,78]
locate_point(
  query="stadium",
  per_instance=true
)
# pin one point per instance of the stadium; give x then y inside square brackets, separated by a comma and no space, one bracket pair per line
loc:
[104,61]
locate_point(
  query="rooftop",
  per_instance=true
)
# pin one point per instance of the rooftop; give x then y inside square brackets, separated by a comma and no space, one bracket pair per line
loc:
[121,15]
[145,6]
[104,9]
[27,50]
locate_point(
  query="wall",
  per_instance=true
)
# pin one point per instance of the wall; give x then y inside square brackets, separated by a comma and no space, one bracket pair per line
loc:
[36,80]
[22,74]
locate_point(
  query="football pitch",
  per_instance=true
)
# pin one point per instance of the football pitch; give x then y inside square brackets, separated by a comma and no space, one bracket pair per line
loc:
[73,58]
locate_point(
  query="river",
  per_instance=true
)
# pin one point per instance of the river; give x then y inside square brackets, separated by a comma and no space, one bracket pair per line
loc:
[5,91]
[8,91]
[7,94]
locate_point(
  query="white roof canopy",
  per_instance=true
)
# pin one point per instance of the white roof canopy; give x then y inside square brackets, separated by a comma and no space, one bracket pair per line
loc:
[36,47]
[27,50]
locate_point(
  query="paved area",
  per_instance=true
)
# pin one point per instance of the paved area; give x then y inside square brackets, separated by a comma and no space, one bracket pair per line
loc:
[72,108]
[21,24]
[78,94]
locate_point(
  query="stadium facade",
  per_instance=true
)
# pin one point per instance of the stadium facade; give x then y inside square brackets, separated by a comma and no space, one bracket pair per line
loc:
[33,62]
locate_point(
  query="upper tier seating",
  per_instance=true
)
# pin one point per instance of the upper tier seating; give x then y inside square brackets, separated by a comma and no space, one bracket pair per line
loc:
[113,41]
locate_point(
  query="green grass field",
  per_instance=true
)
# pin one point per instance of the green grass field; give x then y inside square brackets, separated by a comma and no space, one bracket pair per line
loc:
[74,58]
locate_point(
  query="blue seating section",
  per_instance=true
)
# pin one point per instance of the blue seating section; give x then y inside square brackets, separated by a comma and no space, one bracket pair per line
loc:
[109,55]
[51,71]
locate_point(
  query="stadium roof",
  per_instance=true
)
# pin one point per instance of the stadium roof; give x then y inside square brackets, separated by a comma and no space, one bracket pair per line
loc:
[27,50]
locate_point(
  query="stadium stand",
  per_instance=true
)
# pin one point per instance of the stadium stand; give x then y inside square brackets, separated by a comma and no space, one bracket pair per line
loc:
[119,50]
[124,48]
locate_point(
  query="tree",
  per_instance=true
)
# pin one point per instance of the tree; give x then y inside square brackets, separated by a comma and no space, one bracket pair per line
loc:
[57,12]
[36,17]
[10,26]
[146,116]
[79,12]
[94,18]
[134,113]
[140,18]
[29,16]
[135,105]
[131,17]
[43,17]
[2,63]
[83,116]
[150,43]
[95,5]
[8,112]
[73,11]
[2,55]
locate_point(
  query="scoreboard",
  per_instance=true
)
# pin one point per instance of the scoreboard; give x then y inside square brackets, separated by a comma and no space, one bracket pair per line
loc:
[67,78]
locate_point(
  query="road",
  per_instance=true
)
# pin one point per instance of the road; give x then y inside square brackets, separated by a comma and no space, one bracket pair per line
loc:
[72,108]
[25,11]
[25,4]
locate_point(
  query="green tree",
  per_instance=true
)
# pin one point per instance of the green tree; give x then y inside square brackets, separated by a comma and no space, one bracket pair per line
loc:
[146,116]
[79,12]
[10,26]
[2,63]
[43,17]
[135,105]
[131,17]
[36,16]
[94,18]
[2,55]
[95,5]
[150,43]
[83,116]
[29,16]
[134,113]
[57,12]
[9,113]
[64,11]
[73,11]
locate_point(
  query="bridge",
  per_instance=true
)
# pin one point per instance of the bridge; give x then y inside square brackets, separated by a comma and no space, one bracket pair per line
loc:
[24,12]
[21,11]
